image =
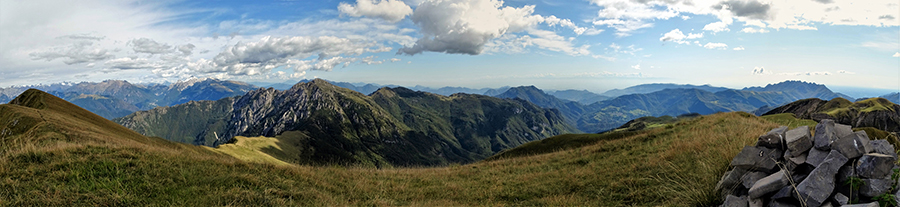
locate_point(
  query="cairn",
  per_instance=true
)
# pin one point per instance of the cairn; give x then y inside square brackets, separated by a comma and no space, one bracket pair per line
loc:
[833,167]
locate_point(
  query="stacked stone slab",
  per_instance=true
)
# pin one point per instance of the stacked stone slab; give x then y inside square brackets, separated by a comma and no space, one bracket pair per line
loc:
[833,166]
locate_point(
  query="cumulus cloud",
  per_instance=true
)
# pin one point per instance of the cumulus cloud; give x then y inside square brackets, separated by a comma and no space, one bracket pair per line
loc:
[186,49]
[464,26]
[717,27]
[128,63]
[677,36]
[636,67]
[78,52]
[751,9]
[260,57]
[146,45]
[845,72]
[897,54]
[738,48]
[712,45]
[389,10]
[628,16]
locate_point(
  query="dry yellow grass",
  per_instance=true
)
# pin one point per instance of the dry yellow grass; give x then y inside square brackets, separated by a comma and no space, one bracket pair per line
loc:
[73,163]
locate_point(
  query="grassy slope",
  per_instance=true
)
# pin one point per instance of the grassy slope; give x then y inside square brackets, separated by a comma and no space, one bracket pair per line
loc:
[662,166]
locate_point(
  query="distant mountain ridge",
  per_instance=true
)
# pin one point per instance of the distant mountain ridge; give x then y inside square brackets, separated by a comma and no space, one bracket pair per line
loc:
[682,99]
[390,127]
[117,98]
[654,87]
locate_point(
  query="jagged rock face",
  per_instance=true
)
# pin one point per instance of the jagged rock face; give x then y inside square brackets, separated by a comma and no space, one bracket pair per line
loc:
[393,126]
[269,112]
[855,169]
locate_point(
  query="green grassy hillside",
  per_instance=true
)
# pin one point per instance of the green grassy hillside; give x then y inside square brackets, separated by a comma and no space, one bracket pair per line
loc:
[877,113]
[57,154]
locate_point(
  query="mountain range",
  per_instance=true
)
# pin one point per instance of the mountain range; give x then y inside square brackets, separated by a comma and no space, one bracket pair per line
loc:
[117,98]
[335,125]
[683,99]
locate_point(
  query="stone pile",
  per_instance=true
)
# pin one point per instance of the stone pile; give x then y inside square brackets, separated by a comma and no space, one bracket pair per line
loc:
[833,167]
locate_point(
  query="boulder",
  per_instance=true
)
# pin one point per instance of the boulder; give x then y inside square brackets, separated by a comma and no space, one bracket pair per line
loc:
[751,177]
[768,184]
[774,139]
[841,130]
[845,173]
[874,165]
[730,181]
[759,202]
[883,147]
[841,199]
[824,135]
[851,146]
[798,140]
[785,192]
[816,156]
[760,158]
[734,201]
[864,138]
[817,187]
[875,187]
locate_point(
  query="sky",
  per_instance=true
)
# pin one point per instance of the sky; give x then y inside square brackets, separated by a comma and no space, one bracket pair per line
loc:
[575,44]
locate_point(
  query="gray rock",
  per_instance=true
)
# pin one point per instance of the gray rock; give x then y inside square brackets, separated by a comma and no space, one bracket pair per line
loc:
[851,146]
[875,187]
[897,197]
[755,202]
[799,159]
[777,203]
[816,156]
[773,139]
[874,165]
[872,204]
[824,135]
[841,130]
[827,204]
[760,158]
[841,199]
[768,184]
[883,147]
[817,187]
[864,138]
[798,140]
[751,177]
[785,192]
[845,173]
[735,201]
[730,181]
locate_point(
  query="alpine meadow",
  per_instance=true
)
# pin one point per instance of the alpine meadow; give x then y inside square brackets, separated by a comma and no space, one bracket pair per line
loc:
[450,103]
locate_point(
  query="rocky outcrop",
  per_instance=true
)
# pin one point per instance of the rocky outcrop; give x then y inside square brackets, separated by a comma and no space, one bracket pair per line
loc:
[878,113]
[832,166]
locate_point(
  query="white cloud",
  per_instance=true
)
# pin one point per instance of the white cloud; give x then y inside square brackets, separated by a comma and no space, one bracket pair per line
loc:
[738,48]
[636,67]
[897,54]
[186,49]
[712,45]
[845,72]
[717,27]
[146,45]
[395,59]
[467,26]
[78,52]
[677,36]
[389,10]
[260,57]
[754,30]
[628,16]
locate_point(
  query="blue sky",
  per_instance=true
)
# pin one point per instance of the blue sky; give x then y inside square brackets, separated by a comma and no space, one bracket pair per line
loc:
[579,44]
